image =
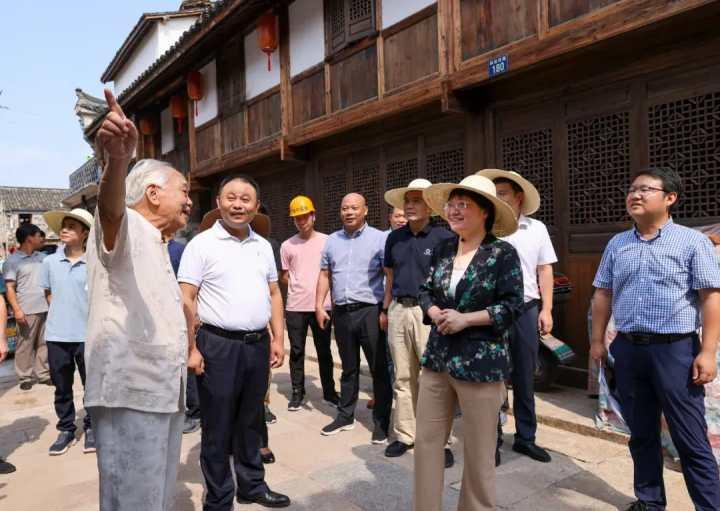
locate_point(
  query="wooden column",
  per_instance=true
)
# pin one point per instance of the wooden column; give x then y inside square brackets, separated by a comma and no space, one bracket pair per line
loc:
[380,48]
[285,85]
[192,140]
[543,22]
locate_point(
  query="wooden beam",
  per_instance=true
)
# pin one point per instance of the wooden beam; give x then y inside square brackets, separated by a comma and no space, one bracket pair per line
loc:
[285,85]
[380,48]
[251,153]
[445,36]
[448,101]
[603,24]
[289,153]
[456,31]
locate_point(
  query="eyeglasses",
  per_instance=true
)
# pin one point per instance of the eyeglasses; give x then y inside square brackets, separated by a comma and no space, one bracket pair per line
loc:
[643,191]
[459,206]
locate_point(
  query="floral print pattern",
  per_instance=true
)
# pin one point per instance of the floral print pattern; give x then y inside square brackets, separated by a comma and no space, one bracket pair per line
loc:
[492,282]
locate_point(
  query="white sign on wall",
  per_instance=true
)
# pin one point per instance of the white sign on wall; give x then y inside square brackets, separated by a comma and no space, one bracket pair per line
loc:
[207,107]
[397,10]
[307,35]
[257,77]
[167,133]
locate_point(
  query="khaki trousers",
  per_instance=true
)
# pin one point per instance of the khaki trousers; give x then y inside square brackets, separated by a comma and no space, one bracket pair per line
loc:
[480,403]
[407,337]
[31,351]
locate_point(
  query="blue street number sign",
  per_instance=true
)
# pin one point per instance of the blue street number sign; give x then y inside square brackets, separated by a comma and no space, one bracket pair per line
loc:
[498,65]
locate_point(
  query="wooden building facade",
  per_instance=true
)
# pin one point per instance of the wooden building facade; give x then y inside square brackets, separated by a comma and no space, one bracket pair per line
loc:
[364,95]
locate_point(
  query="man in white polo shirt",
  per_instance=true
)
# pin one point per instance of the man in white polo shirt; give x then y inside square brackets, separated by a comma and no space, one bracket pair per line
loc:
[537,256]
[229,279]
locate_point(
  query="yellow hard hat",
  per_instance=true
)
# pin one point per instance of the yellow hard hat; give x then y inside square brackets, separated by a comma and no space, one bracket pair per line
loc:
[301,205]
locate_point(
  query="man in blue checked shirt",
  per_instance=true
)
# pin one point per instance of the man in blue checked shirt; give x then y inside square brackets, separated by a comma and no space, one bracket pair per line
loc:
[661,282]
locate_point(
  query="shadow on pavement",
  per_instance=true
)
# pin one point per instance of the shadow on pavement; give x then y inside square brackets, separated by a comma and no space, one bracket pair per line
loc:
[19,432]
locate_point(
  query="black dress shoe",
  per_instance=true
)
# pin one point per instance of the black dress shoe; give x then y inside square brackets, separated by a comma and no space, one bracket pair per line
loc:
[532,450]
[449,458]
[267,458]
[268,498]
[397,448]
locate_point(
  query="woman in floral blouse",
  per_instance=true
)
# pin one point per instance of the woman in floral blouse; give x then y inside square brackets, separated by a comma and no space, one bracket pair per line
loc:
[471,294]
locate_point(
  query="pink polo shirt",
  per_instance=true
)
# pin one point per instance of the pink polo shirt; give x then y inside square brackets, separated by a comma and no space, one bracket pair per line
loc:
[301,259]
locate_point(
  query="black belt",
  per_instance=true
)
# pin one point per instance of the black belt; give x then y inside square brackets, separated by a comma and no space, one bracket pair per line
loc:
[529,305]
[407,301]
[246,336]
[352,307]
[645,338]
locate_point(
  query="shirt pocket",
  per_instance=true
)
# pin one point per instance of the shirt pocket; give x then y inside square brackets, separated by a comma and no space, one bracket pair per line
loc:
[146,366]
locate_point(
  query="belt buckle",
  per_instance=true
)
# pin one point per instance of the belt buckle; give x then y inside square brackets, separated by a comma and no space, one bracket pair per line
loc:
[252,337]
[642,339]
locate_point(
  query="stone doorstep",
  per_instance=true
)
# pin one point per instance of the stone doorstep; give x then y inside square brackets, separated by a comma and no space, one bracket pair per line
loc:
[582,424]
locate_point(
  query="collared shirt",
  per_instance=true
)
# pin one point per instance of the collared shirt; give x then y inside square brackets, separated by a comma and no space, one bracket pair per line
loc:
[409,255]
[301,259]
[137,338]
[67,282]
[355,262]
[26,270]
[534,247]
[232,276]
[655,282]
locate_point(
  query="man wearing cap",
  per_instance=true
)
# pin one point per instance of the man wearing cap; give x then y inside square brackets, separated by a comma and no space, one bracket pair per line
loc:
[229,280]
[537,255]
[408,252]
[300,259]
[22,273]
[64,279]
[353,260]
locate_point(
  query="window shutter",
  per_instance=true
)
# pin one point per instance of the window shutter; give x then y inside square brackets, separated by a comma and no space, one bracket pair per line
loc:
[361,18]
[348,21]
[231,81]
[336,25]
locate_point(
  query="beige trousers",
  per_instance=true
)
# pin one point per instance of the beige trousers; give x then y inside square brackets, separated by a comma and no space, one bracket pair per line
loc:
[480,403]
[31,351]
[407,338]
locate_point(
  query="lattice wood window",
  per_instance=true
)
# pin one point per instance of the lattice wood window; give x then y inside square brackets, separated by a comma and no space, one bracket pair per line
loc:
[399,172]
[347,21]
[276,191]
[599,168]
[445,165]
[231,77]
[333,185]
[366,181]
[685,135]
[530,154]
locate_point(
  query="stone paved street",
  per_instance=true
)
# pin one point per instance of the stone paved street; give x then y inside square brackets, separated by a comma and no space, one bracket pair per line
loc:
[341,473]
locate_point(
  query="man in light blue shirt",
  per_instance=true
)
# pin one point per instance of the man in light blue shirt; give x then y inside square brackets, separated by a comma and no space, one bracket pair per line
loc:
[64,279]
[353,259]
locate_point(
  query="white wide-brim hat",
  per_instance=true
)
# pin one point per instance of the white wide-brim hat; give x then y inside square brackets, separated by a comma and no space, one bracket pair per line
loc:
[437,195]
[531,199]
[396,196]
[54,218]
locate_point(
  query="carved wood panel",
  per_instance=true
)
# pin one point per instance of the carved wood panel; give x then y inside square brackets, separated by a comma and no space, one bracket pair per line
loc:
[685,136]
[365,168]
[347,21]
[599,168]
[276,192]
[333,187]
[530,154]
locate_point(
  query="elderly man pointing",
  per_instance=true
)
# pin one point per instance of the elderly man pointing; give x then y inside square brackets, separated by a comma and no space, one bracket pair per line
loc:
[137,342]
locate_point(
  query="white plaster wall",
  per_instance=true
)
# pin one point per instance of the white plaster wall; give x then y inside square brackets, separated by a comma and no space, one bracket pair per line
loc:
[397,10]
[307,35]
[257,77]
[144,55]
[207,107]
[167,133]
[172,29]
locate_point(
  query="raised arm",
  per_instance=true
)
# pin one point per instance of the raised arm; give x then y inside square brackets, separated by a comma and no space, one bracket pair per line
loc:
[116,141]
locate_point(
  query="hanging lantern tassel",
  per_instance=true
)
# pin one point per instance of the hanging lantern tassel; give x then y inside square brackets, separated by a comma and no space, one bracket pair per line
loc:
[195,88]
[268,36]
[178,109]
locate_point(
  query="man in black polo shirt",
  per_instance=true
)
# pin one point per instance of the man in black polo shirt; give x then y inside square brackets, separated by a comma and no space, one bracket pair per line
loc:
[407,259]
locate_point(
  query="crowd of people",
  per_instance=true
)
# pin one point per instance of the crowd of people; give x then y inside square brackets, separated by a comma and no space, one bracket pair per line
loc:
[170,338]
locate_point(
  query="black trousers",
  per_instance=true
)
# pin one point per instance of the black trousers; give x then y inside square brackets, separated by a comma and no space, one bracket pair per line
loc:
[192,400]
[297,327]
[63,358]
[232,390]
[354,331]
[524,347]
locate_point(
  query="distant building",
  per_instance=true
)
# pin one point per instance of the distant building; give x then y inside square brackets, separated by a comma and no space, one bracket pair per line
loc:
[20,205]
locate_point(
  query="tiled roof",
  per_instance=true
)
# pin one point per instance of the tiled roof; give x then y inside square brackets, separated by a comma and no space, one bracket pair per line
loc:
[31,199]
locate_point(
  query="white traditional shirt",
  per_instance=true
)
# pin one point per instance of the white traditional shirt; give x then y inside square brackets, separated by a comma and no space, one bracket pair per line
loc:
[137,339]
[232,276]
[533,245]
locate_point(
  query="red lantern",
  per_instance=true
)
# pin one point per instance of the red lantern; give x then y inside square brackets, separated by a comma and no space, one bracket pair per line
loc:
[147,126]
[178,109]
[268,36]
[195,88]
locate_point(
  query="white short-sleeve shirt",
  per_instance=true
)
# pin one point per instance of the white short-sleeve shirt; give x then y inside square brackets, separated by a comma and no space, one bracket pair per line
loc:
[535,248]
[232,276]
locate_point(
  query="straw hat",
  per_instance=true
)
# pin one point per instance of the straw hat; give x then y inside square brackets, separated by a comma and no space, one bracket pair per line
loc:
[260,224]
[55,218]
[396,196]
[531,199]
[437,195]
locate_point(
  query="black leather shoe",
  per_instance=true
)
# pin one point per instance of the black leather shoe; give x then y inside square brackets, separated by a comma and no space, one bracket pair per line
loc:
[397,448]
[268,457]
[449,458]
[532,450]
[268,498]
[5,467]
[638,505]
